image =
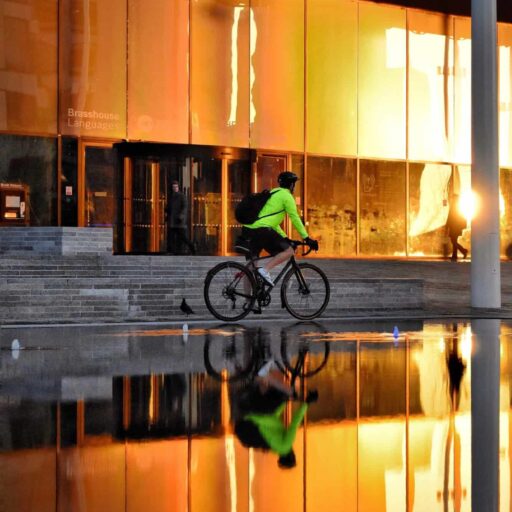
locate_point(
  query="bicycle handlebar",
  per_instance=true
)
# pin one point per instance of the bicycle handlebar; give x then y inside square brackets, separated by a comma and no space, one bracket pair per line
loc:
[297,243]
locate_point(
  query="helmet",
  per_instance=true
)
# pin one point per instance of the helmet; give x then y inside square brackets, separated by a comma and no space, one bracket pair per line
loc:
[287,178]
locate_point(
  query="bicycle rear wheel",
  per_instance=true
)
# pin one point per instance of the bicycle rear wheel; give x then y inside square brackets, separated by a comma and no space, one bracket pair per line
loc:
[229,291]
[228,353]
[305,291]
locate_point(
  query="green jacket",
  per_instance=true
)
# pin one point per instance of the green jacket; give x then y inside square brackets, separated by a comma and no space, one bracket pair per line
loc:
[279,438]
[280,203]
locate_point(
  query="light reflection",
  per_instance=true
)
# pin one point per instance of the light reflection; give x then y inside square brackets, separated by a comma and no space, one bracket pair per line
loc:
[234,66]
[468,204]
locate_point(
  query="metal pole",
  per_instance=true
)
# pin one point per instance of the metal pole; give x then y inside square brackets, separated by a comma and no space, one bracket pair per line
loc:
[485,401]
[485,235]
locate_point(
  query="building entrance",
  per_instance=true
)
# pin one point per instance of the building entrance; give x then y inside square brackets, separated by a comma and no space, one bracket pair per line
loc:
[175,199]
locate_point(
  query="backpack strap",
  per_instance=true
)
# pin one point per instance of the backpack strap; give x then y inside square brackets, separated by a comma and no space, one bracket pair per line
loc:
[270,214]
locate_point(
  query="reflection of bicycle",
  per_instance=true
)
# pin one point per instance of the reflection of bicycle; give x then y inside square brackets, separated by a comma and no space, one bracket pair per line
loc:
[235,353]
[233,290]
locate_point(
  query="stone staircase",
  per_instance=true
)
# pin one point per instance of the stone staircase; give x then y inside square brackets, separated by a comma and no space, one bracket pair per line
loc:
[81,288]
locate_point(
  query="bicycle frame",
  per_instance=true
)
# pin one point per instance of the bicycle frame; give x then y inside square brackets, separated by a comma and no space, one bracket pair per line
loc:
[291,263]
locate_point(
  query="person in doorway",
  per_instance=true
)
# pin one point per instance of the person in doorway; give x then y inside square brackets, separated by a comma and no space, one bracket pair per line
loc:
[455,224]
[266,232]
[176,210]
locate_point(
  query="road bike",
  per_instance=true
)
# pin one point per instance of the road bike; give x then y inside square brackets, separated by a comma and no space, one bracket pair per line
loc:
[232,290]
[235,353]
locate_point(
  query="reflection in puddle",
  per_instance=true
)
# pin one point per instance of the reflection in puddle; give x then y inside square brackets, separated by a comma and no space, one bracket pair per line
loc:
[364,418]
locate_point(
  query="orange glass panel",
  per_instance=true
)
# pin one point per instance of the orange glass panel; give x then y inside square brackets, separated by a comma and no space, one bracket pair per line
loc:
[220,72]
[162,466]
[462,143]
[381,470]
[505,92]
[331,467]
[28,66]
[92,46]
[332,77]
[27,480]
[382,51]
[268,480]
[430,86]
[219,475]
[92,478]
[158,70]
[277,74]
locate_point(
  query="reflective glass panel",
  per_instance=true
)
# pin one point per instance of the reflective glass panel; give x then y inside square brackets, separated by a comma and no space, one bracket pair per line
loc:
[428,208]
[158,70]
[220,72]
[505,92]
[239,184]
[382,208]
[382,50]
[462,110]
[99,186]
[92,68]
[430,86]
[28,66]
[331,204]
[506,211]
[31,163]
[332,77]
[277,74]
[461,186]
[207,204]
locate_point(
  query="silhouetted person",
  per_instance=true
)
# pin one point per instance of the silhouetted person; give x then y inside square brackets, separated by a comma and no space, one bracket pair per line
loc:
[455,223]
[456,368]
[261,406]
[177,221]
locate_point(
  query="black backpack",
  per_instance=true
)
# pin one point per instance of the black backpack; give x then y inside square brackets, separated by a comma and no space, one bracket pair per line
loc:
[248,209]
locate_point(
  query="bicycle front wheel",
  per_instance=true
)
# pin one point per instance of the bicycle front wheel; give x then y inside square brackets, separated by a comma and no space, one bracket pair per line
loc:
[305,291]
[229,291]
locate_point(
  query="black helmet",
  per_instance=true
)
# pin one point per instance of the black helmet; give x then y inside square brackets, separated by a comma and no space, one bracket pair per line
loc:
[287,178]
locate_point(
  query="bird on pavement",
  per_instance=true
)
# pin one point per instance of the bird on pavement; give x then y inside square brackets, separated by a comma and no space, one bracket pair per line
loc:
[185,308]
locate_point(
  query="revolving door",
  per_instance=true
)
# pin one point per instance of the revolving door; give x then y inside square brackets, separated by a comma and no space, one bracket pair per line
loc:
[174,199]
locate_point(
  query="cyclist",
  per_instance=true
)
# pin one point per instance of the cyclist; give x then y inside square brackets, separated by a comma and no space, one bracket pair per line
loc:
[266,232]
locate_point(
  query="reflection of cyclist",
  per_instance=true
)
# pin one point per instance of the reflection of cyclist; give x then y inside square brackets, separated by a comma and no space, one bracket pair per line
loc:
[262,405]
[266,232]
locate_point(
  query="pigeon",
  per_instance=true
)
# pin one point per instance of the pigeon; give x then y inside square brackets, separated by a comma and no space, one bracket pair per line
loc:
[186,308]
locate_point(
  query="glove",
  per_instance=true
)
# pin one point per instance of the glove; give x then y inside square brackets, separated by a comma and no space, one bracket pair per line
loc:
[313,244]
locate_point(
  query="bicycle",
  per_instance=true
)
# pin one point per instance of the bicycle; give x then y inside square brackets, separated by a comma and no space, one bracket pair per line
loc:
[234,353]
[232,289]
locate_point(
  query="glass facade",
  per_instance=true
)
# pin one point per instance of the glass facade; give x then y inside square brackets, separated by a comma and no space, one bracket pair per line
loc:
[368,102]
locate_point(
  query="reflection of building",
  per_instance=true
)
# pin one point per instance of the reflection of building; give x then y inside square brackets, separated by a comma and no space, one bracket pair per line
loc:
[370,102]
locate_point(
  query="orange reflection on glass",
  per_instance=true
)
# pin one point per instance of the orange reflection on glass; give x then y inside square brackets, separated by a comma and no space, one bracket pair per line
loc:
[158,70]
[505,92]
[277,87]
[28,66]
[381,469]
[92,478]
[24,470]
[157,476]
[430,86]
[92,62]
[331,467]
[219,76]
[332,77]
[219,475]
[462,143]
[382,58]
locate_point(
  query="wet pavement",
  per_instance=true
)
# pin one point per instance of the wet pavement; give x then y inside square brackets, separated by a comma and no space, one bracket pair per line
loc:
[370,415]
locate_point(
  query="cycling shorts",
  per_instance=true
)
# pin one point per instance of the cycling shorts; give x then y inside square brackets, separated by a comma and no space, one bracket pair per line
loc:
[265,238]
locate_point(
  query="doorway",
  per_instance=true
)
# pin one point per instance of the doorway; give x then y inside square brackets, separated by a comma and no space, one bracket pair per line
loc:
[95,184]
[210,181]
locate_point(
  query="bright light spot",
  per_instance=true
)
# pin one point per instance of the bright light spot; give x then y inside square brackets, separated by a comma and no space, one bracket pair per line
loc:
[468,204]
[502,205]
[465,346]
[234,66]
[442,345]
